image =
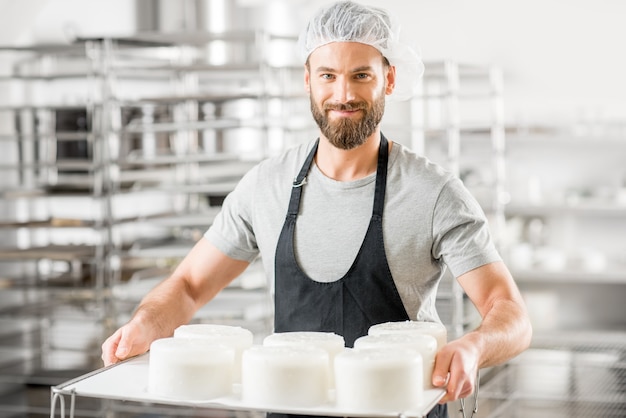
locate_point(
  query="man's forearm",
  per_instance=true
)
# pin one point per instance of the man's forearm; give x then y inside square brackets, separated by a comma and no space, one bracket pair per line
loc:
[165,308]
[505,332]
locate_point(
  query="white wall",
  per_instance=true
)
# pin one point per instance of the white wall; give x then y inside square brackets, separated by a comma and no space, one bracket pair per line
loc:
[562,59]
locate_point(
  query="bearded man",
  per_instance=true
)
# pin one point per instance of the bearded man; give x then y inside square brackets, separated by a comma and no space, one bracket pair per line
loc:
[352,229]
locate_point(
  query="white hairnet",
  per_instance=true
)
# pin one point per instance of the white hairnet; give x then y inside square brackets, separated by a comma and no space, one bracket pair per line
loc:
[347,21]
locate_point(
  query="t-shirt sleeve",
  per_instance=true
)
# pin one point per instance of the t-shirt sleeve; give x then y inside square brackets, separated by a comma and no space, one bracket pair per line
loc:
[462,239]
[232,230]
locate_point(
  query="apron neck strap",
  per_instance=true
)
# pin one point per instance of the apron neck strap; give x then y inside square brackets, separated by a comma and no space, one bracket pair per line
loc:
[300,180]
[381,179]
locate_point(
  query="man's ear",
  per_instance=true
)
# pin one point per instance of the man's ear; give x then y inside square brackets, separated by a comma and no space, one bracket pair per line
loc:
[307,79]
[391,80]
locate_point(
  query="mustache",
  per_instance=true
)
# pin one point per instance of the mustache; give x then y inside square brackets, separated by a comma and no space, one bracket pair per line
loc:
[348,106]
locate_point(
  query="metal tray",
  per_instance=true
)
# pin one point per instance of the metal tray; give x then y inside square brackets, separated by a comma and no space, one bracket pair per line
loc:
[127,381]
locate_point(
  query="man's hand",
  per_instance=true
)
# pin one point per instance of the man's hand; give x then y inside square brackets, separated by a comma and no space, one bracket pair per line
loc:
[173,302]
[503,333]
[456,367]
[128,341]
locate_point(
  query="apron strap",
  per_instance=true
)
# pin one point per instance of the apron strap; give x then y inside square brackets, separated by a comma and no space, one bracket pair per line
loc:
[381,177]
[299,181]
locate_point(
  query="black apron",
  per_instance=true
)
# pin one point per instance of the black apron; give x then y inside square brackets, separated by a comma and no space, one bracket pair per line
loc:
[364,296]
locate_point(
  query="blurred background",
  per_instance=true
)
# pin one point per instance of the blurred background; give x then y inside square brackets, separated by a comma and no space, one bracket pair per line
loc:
[124,124]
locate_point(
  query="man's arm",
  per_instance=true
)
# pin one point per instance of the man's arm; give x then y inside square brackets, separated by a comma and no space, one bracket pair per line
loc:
[504,332]
[199,277]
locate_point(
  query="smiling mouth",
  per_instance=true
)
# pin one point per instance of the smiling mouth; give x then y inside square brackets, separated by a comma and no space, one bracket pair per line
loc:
[345,107]
[344,112]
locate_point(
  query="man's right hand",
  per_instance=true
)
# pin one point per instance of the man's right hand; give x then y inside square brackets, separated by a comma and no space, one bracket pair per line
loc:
[203,273]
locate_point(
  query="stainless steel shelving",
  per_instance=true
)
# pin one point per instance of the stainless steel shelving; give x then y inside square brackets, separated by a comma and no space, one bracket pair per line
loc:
[565,374]
[457,120]
[564,216]
[155,161]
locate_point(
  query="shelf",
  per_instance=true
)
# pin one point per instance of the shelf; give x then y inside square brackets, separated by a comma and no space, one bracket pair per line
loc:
[564,374]
[181,220]
[582,339]
[197,67]
[567,137]
[81,165]
[55,304]
[469,131]
[136,160]
[46,106]
[33,280]
[197,98]
[50,223]
[50,48]
[189,125]
[190,38]
[163,251]
[611,275]
[53,252]
[171,220]
[590,208]
[218,188]
[49,77]
[48,136]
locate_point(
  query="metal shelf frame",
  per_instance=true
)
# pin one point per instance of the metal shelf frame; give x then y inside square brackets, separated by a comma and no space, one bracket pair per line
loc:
[575,374]
[183,170]
[437,112]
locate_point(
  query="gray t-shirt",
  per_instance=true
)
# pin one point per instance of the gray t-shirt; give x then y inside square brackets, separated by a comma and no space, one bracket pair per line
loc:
[430,220]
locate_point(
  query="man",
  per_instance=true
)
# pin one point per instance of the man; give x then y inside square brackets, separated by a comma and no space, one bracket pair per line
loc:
[370,226]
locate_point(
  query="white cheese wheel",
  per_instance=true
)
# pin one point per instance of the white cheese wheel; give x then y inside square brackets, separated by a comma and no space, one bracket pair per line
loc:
[435,329]
[330,342]
[425,345]
[374,380]
[190,369]
[237,338]
[288,376]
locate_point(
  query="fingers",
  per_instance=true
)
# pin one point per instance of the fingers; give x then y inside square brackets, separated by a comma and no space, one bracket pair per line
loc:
[455,371]
[459,386]
[109,348]
[442,367]
[126,342]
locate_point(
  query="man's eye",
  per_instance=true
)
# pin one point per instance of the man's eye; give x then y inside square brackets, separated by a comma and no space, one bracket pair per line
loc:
[327,76]
[361,76]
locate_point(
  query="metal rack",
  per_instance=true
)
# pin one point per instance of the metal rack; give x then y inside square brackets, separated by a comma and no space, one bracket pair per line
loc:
[578,374]
[566,210]
[170,145]
[457,120]
[155,159]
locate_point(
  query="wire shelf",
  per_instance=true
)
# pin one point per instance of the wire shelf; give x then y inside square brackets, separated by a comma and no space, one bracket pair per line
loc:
[568,375]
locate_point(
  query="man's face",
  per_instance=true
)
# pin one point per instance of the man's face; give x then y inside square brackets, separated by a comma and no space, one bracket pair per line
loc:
[347,83]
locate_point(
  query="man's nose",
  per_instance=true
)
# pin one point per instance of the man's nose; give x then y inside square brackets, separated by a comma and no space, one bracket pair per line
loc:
[343,91]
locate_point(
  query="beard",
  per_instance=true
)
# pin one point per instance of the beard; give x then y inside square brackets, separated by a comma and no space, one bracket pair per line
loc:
[347,133]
